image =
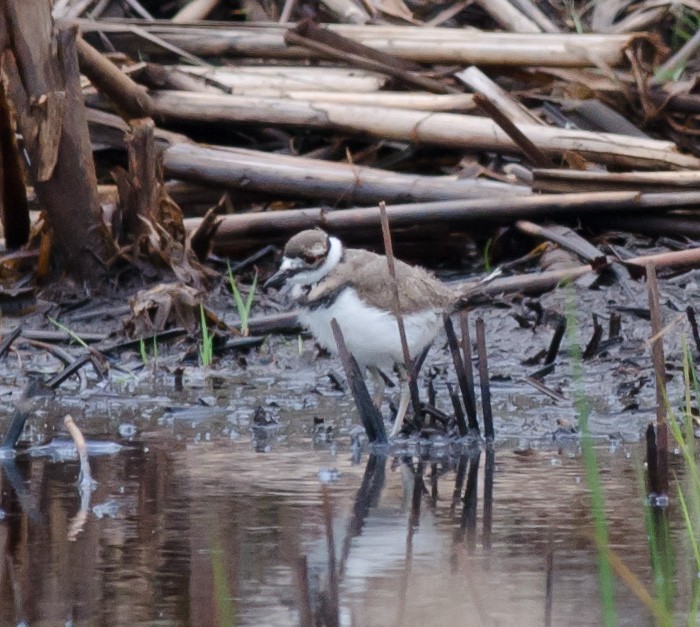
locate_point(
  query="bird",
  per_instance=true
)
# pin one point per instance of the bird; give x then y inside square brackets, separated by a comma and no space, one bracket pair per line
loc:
[355,287]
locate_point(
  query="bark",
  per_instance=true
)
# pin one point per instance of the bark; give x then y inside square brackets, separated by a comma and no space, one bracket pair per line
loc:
[41,79]
[14,208]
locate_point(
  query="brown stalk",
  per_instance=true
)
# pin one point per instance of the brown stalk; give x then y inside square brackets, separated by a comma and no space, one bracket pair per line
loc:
[389,250]
[532,152]
[405,77]
[657,350]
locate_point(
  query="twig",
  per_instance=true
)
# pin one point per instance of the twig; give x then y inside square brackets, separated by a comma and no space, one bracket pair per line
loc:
[85,482]
[289,6]
[489,470]
[615,325]
[538,385]
[690,312]
[657,349]
[389,251]
[556,342]
[594,344]
[460,370]
[652,454]
[531,151]
[16,332]
[81,446]
[484,379]
[470,399]
[369,414]
[459,413]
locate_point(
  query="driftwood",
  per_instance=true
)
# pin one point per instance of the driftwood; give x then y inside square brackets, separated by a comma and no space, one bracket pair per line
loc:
[439,129]
[324,84]
[285,78]
[478,82]
[424,45]
[131,99]
[531,10]
[194,10]
[312,178]
[546,180]
[509,16]
[460,214]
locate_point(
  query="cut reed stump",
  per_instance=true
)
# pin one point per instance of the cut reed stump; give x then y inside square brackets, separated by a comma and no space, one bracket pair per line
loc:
[369,414]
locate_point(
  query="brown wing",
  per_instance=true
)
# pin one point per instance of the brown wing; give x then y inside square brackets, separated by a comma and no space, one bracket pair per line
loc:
[369,273]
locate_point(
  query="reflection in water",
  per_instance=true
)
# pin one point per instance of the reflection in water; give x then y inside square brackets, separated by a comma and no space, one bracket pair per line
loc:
[189,535]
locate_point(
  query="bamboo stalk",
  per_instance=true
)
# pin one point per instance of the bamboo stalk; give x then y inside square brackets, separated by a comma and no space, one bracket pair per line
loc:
[420,44]
[460,214]
[550,180]
[419,101]
[281,77]
[410,79]
[509,16]
[440,129]
[478,82]
[129,97]
[194,10]
[313,178]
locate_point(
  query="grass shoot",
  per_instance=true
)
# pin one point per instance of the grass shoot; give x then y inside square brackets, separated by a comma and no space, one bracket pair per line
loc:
[242,306]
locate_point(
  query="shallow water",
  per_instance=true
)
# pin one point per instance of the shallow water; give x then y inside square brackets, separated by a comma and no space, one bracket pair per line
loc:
[197,517]
[176,531]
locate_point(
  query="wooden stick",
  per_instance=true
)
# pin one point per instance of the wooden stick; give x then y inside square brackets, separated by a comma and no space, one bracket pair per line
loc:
[194,10]
[657,349]
[369,414]
[315,178]
[419,44]
[478,82]
[81,447]
[449,130]
[460,371]
[470,400]
[460,214]
[407,78]
[529,149]
[546,180]
[509,16]
[484,379]
[129,97]
[389,251]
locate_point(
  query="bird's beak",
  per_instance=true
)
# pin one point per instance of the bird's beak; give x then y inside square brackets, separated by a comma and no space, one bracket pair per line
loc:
[278,279]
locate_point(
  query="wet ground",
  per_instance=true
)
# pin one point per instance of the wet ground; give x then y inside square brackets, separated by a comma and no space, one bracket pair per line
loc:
[199,516]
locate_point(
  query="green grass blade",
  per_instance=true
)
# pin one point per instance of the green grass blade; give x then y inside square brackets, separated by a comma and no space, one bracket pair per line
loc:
[689,527]
[592,477]
[225,609]
[72,334]
[142,350]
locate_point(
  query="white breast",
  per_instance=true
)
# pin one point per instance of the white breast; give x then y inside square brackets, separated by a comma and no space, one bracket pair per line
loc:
[371,334]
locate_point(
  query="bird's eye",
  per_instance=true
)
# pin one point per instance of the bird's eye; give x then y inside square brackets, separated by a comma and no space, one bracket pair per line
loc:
[311,259]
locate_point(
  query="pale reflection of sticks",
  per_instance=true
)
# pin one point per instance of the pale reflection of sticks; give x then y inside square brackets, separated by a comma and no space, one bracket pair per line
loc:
[84,480]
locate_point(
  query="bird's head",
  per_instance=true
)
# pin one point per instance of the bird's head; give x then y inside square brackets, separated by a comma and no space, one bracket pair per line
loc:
[308,257]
